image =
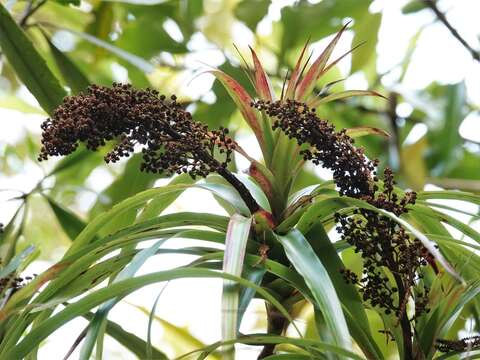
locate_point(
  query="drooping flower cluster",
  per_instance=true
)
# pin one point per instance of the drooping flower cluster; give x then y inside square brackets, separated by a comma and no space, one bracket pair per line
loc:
[385,245]
[334,150]
[170,140]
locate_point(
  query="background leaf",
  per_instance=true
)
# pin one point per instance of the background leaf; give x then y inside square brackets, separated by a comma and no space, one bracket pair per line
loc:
[28,64]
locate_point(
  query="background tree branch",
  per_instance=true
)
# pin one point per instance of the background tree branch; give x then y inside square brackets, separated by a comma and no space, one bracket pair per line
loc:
[441,16]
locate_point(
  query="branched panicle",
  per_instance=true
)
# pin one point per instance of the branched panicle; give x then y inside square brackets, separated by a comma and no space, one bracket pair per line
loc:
[385,245]
[465,344]
[334,150]
[382,243]
[170,140]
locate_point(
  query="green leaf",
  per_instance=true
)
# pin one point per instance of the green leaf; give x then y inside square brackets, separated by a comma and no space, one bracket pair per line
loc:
[78,157]
[268,185]
[135,60]
[254,274]
[68,2]
[303,20]
[72,75]
[342,95]
[252,11]
[11,233]
[303,258]
[228,194]
[130,341]
[121,208]
[235,243]
[151,316]
[148,26]
[102,313]
[158,204]
[64,273]
[120,289]
[289,357]
[449,195]
[445,139]
[325,209]
[14,103]
[360,131]
[366,29]
[414,6]
[173,334]
[447,219]
[70,223]
[260,339]
[353,307]
[413,165]
[15,263]
[407,59]
[130,182]
[28,64]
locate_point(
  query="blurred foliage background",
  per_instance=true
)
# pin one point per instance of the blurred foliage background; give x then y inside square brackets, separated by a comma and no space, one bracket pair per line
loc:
[408,54]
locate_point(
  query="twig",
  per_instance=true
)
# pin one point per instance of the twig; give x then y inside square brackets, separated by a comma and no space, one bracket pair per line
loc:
[30,10]
[26,13]
[441,16]
[393,119]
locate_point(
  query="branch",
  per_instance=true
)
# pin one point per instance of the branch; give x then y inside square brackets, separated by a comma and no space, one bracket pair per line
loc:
[441,16]
[30,10]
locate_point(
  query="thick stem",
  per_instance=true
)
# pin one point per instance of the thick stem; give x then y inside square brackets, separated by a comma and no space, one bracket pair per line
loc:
[404,322]
[276,324]
[242,189]
[394,142]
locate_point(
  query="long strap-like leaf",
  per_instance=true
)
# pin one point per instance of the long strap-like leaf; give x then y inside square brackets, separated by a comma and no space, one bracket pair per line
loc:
[121,289]
[30,67]
[102,312]
[303,258]
[235,244]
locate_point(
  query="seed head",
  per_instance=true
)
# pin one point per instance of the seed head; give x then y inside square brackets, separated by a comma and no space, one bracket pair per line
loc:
[170,140]
[334,150]
[385,245]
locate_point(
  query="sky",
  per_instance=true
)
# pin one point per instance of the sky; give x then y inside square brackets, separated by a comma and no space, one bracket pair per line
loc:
[196,305]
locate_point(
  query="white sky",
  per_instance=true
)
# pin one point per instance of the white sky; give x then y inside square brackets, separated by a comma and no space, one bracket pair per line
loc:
[196,304]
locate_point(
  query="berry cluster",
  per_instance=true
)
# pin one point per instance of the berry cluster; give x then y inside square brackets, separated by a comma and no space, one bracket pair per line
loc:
[465,344]
[334,150]
[13,282]
[383,244]
[170,140]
